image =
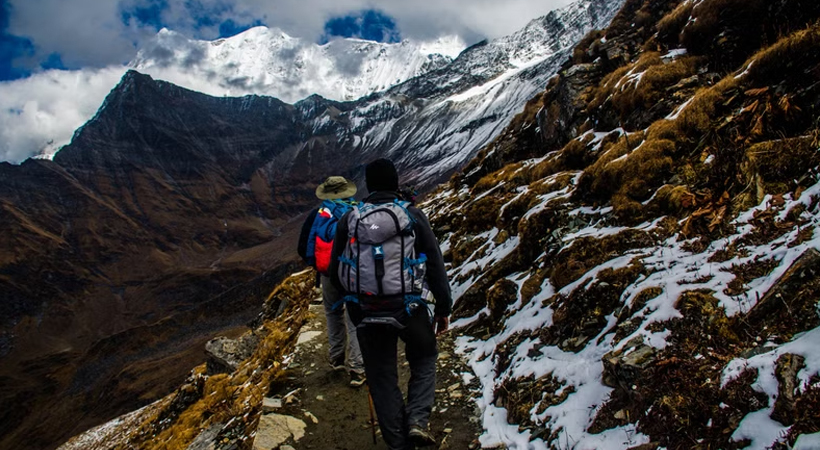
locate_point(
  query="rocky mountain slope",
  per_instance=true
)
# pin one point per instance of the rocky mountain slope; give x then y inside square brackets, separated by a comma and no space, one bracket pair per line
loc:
[636,256]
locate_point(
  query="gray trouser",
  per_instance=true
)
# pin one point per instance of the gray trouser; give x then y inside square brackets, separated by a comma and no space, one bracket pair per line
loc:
[378,344]
[340,329]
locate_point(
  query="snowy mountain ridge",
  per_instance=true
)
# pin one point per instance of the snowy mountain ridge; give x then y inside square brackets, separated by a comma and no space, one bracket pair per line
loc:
[267,61]
[433,124]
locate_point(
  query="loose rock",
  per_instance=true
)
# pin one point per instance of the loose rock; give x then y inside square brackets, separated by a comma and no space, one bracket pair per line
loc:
[276,429]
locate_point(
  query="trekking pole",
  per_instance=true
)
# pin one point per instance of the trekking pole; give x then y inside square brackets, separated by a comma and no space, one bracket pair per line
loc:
[372,415]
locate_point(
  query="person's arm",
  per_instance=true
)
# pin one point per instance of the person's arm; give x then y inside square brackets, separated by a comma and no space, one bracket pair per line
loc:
[436,273]
[339,241]
[302,247]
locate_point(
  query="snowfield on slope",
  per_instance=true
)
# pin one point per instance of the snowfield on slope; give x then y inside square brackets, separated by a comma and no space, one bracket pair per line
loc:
[674,269]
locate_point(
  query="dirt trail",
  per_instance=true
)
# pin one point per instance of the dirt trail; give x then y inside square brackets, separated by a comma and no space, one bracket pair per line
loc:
[342,418]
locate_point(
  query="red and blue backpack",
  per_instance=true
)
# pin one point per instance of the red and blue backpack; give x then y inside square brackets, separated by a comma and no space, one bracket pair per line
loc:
[320,240]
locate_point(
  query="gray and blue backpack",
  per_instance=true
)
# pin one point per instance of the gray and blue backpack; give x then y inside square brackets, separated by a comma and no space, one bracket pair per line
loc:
[379,260]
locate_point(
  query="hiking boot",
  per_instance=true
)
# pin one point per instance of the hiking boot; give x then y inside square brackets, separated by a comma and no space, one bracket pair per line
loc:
[421,437]
[357,379]
[337,364]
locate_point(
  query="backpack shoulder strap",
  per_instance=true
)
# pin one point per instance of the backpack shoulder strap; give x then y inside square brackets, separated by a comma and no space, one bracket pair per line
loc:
[404,205]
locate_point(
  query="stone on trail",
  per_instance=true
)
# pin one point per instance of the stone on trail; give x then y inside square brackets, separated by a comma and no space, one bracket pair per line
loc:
[271,404]
[307,336]
[310,416]
[276,429]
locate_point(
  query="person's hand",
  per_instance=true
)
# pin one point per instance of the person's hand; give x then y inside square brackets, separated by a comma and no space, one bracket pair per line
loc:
[442,324]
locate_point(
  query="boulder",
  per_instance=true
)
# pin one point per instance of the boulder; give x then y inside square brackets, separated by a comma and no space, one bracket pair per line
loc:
[225,355]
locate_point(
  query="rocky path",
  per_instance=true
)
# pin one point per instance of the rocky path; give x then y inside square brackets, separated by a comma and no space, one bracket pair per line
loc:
[334,416]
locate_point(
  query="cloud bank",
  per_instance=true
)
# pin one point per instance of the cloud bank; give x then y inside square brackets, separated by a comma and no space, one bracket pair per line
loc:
[52,103]
[91,33]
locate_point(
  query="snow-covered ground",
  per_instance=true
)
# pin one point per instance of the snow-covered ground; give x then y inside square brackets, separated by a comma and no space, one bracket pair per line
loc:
[673,268]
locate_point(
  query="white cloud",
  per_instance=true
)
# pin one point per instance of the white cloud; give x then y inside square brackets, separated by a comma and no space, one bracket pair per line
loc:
[52,103]
[92,32]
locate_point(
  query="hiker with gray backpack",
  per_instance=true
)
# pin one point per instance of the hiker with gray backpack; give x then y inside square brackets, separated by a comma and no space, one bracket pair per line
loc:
[385,257]
[315,245]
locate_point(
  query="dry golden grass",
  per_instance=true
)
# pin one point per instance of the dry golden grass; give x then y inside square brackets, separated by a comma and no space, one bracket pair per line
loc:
[642,83]
[697,117]
[509,173]
[788,57]
[780,162]
[652,85]
[675,200]
[608,86]
[671,25]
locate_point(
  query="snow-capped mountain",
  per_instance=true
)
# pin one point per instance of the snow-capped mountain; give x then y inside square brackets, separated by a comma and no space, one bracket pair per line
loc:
[266,61]
[38,115]
[432,124]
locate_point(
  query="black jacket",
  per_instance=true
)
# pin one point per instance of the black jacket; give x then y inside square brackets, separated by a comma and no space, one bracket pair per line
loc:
[425,243]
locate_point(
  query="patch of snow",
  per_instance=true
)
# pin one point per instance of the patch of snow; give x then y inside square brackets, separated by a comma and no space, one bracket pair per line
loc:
[745,71]
[674,53]
[757,426]
[677,112]
[807,442]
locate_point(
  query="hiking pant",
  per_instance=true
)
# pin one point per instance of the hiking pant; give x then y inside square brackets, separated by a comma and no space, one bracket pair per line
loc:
[340,329]
[378,343]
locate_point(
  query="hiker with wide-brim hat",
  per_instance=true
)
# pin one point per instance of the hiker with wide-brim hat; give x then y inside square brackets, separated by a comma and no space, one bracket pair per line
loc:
[315,244]
[336,188]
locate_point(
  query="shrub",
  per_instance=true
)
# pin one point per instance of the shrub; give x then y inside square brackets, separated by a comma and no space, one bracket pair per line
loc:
[729,31]
[671,25]
[781,162]
[726,31]
[791,58]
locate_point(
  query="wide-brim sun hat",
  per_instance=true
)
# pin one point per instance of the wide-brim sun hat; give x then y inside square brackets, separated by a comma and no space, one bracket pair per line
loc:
[335,188]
